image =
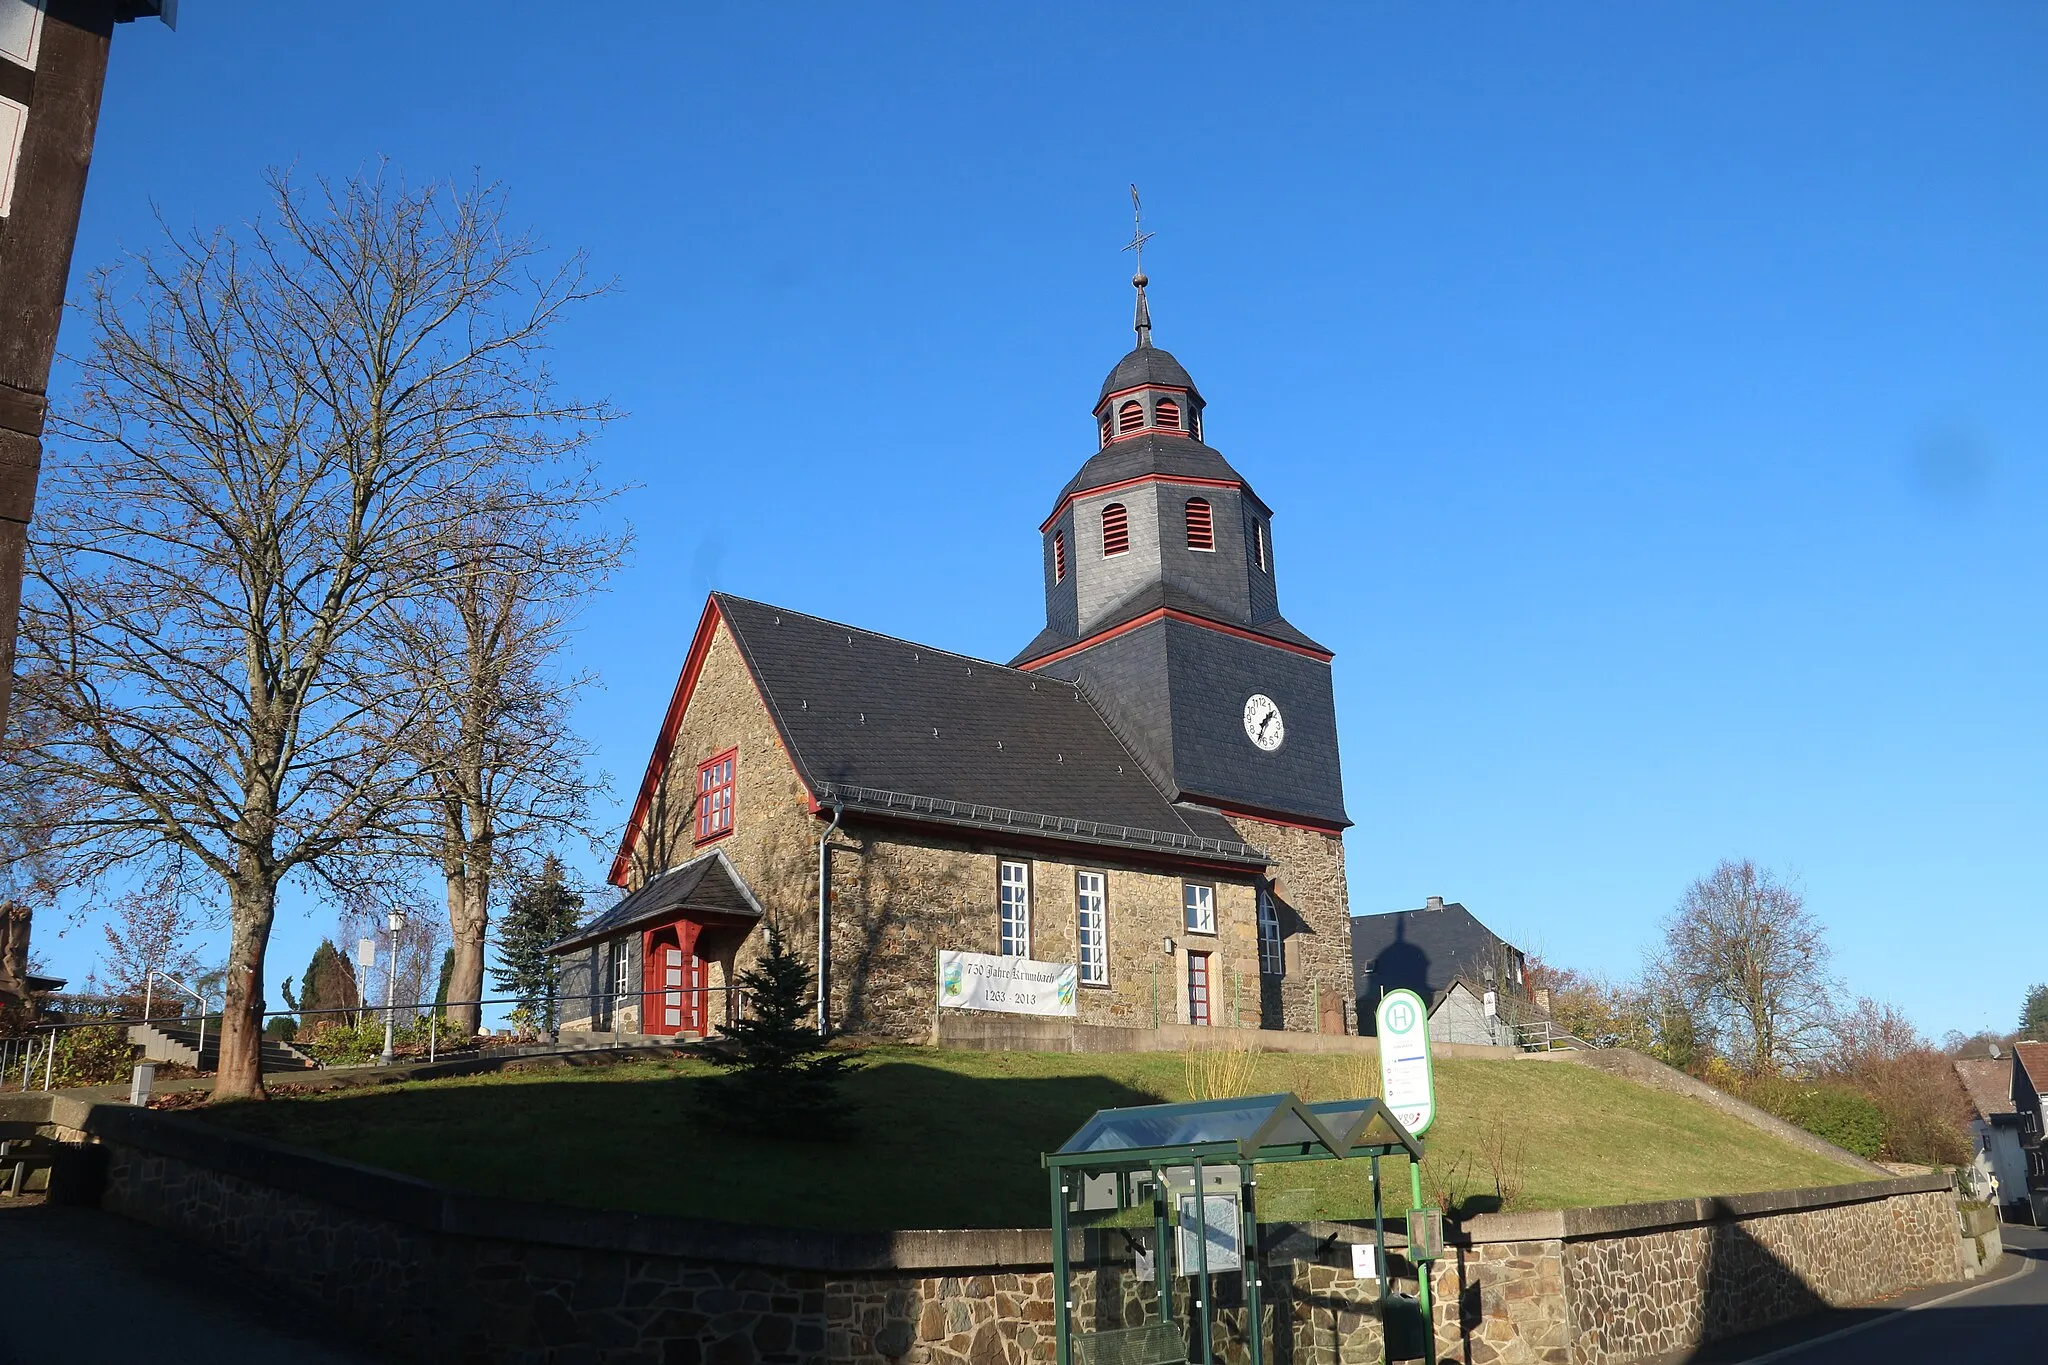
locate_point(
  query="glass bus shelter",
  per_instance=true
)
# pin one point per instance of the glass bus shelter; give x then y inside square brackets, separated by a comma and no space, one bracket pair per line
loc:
[1187,1173]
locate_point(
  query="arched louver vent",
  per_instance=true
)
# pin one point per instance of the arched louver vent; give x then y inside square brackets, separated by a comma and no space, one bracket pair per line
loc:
[1059,556]
[1116,530]
[1166,414]
[1201,525]
[1130,417]
[1105,428]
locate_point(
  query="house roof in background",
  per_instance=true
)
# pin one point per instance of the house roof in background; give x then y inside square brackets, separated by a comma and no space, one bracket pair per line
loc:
[2034,1057]
[708,884]
[1988,1082]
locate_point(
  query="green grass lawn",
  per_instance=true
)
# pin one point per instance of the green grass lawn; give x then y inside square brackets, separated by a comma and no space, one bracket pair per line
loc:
[952,1139]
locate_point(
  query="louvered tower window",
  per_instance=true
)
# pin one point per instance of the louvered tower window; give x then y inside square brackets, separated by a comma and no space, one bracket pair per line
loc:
[1130,417]
[1116,530]
[1201,525]
[1259,543]
[1059,556]
[1105,428]
[1166,413]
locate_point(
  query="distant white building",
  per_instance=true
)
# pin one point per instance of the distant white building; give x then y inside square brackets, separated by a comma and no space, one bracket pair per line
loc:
[1996,1131]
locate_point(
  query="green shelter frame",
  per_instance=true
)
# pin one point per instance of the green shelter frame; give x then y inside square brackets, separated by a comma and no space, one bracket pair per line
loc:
[1122,1159]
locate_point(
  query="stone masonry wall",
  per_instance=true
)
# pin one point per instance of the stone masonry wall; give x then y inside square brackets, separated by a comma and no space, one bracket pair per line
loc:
[459,1278]
[1314,899]
[900,895]
[1675,1289]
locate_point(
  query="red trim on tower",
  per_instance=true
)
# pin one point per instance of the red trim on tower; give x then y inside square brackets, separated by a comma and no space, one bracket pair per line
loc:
[1141,388]
[1173,614]
[1190,480]
[1246,813]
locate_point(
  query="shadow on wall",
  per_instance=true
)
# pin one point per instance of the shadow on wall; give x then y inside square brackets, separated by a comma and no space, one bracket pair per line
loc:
[1400,964]
[931,1148]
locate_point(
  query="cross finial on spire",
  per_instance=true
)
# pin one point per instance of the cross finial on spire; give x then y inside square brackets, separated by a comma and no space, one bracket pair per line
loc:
[1143,320]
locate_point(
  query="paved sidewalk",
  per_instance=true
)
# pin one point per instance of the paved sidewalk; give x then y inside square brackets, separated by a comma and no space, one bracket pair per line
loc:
[87,1288]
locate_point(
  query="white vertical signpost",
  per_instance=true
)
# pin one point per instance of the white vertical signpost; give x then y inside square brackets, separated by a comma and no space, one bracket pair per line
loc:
[1408,1087]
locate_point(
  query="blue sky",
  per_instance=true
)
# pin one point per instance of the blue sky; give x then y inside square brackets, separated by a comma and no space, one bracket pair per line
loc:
[1651,396]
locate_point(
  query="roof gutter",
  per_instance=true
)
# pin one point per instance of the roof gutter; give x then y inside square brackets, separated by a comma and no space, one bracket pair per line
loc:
[825,922]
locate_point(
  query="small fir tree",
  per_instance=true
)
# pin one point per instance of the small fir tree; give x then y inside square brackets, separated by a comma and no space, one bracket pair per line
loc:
[328,985]
[780,1081]
[543,911]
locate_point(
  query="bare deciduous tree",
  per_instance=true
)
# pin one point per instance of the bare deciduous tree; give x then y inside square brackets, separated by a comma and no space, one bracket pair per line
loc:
[271,435]
[150,933]
[501,771]
[1743,953]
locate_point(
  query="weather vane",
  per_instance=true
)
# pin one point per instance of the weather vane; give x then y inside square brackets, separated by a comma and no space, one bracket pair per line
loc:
[1138,238]
[1143,321]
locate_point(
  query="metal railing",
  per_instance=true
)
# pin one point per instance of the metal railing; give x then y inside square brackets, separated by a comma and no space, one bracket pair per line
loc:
[1543,1036]
[36,1051]
[1066,826]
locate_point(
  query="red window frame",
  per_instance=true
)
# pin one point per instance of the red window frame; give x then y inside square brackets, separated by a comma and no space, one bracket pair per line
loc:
[1198,988]
[717,777]
[1201,525]
[1059,556]
[1116,530]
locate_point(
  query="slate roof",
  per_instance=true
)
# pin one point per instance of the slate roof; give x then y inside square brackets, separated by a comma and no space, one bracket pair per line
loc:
[1988,1082]
[1152,597]
[1168,456]
[2034,1058]
[1423,950]
[707,883]
[879,723]
[1146,365]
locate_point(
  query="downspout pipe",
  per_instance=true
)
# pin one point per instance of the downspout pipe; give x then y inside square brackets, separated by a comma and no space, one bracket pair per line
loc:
[825,923]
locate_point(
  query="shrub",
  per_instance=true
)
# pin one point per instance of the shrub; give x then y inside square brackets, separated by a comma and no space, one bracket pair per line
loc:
[1839,1113]
[99,1054]
[283,1028]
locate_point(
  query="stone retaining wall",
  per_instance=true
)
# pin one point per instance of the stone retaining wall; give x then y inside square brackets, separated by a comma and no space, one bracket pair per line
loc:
[439,1275]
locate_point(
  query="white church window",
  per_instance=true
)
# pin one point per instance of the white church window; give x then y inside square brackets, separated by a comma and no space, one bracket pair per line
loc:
[1272,956]
[1200,904]
[1091,906]
[1015,893]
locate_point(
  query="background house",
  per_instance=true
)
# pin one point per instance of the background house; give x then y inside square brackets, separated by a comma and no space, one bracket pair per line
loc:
[1445,955]
[2029,1080]
[1995,1131]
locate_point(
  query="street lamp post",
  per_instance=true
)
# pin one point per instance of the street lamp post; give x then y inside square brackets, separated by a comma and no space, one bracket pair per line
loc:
[396,923]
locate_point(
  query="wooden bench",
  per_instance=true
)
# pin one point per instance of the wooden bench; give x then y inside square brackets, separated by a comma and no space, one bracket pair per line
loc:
[1156,1343]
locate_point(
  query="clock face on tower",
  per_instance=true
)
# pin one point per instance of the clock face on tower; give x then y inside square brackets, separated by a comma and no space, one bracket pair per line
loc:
[1262,723]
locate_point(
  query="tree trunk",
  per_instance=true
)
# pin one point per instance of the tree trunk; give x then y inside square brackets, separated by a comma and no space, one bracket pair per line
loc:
[241,1033]
[469,900]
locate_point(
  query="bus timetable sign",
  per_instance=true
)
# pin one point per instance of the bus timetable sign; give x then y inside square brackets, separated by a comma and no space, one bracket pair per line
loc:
[1406,1082]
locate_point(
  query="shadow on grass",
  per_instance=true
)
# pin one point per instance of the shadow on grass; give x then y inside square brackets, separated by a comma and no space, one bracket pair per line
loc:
[931,1148]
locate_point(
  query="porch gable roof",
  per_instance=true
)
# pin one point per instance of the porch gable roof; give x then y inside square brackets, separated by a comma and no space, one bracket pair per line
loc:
[707,884]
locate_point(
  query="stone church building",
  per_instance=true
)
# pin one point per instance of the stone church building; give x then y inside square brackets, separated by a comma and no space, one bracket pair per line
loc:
[1149,790]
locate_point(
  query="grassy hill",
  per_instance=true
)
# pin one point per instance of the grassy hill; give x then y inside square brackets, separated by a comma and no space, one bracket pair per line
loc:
[952,1139]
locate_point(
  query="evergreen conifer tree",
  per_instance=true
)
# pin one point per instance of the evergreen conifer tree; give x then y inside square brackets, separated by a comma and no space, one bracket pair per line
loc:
[329,984]
[543,910]
[2034,1014]
[780,1081]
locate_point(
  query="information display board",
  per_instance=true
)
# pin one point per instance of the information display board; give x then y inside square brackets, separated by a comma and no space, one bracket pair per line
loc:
[1407,1081]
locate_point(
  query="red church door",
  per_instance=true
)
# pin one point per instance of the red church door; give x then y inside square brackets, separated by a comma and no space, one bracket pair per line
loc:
[676,986]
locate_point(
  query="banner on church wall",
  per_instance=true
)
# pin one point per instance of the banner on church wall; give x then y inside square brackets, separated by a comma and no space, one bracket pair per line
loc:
[1007,985]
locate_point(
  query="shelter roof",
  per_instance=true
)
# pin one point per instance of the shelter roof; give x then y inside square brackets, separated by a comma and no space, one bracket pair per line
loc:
[1988,1082]
[1249,1127]
[707,884]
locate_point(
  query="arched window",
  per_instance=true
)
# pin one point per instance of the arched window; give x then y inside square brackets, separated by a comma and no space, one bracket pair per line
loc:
[1130,417]
[1116,530]
[1059,556]
[1166,413]
[1105,428]
[1201,525]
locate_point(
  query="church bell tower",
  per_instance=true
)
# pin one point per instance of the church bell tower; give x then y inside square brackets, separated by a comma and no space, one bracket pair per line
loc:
[1161,600]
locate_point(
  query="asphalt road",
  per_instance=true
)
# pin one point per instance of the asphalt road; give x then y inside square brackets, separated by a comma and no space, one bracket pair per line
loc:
[86,1288]
[2004,1320]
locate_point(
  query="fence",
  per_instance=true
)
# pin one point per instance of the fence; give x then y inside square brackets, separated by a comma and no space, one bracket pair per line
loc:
[35,1052]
